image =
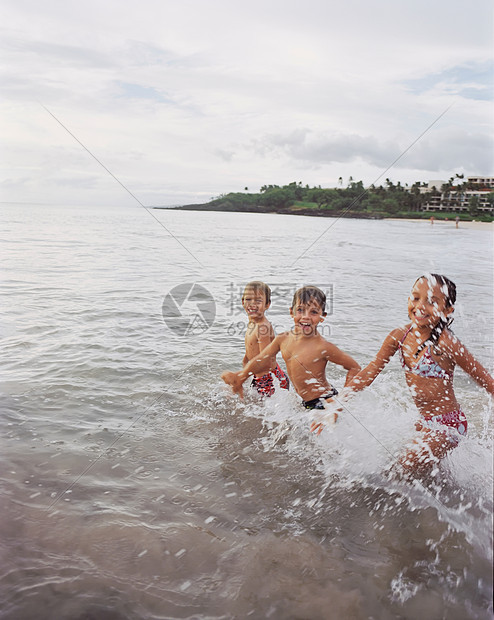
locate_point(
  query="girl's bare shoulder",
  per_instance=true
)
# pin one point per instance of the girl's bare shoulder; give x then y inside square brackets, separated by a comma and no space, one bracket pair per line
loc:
[399,333]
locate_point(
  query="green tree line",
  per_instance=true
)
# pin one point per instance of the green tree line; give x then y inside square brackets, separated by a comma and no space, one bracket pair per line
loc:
[380,201]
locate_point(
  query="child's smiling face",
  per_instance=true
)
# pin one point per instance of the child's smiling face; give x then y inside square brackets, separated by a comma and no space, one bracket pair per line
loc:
[254,303]
[427,303]
[307,316]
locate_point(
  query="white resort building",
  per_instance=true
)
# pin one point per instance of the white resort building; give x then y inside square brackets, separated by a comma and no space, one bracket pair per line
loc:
[443,196]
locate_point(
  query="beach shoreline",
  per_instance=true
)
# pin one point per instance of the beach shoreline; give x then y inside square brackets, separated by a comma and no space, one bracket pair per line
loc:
[473,224]
[488,226]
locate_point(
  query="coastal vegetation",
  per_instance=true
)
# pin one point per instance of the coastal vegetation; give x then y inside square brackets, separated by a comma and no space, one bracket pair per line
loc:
[374,202]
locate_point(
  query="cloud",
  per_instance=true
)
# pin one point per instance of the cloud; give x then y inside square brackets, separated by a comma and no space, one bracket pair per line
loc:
[40,52]
[224,155]
[194,98]
[456,150]
[446,149]
[137,91]
[309,147]
[471,81]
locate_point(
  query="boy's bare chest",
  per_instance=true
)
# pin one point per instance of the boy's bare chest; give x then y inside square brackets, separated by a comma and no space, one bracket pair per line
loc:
[252,341]
[305,352]
[255,338]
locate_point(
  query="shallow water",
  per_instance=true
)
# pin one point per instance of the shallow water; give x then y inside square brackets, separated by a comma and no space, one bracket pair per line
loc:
[135,485]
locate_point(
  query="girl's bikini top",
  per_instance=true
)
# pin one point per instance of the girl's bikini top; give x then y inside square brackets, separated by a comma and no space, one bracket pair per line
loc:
[426,366]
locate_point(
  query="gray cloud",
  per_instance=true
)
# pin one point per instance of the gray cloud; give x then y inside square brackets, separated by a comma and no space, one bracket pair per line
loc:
[471,80]
[169,98]
[456,149]
[39,52]
[309,147]
[444,150]
[224,155]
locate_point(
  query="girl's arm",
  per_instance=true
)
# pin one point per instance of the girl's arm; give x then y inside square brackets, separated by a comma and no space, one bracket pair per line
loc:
[258,365]
[367,375]
[467,362]
[388,348]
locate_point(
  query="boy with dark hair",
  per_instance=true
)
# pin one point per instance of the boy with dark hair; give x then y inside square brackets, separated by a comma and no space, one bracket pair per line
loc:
[305,351]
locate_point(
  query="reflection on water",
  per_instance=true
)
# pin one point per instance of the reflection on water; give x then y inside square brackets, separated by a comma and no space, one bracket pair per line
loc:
[135,486]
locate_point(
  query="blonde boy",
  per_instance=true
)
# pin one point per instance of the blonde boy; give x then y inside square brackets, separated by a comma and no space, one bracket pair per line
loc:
[305,351]
[256,299]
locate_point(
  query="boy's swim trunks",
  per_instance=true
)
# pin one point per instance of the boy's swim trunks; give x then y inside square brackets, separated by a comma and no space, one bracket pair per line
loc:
[265,384]
[317,403]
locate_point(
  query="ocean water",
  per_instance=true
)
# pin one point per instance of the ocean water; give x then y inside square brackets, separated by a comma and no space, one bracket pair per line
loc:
[135,485]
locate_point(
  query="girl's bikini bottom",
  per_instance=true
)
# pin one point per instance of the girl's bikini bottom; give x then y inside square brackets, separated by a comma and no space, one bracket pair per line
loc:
[454,420]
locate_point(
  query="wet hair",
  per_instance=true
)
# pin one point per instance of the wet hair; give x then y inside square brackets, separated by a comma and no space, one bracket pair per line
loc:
[448,289]
[306,294]
[257,285]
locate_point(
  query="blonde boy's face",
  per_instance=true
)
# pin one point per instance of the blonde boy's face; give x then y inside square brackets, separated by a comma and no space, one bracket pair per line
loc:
[307,317]
[254,303]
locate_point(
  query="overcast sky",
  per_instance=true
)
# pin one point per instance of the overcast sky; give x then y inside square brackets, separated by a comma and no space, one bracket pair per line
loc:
[183,100]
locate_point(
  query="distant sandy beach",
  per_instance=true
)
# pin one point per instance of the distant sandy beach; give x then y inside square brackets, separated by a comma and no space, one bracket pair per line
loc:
[489,226]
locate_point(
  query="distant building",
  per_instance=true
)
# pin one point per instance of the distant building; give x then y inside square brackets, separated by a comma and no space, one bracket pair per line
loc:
[484,182]
[456,198]
[431,186]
